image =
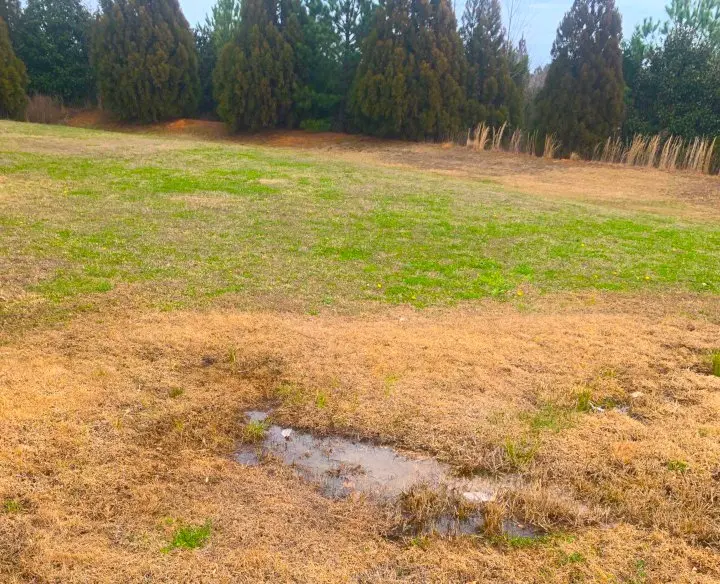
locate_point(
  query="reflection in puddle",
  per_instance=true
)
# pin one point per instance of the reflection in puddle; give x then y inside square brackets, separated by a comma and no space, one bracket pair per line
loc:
[342,467]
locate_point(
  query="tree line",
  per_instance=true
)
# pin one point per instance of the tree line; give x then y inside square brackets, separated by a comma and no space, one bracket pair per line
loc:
[391,68]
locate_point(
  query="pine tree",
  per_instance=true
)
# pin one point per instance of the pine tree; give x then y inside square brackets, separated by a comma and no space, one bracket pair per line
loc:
[318,93]
[351,20]
[54,43]
[495,69]
[409,81]
[10,12]
[13,79]
[582,102]
[207,58]
[677,88]
[255,75]
[223,22]
[145,59]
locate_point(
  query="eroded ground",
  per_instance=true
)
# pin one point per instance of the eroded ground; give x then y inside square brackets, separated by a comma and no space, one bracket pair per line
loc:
[155,289]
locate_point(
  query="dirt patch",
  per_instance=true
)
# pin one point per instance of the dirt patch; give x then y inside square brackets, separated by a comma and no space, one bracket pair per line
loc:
[117,430]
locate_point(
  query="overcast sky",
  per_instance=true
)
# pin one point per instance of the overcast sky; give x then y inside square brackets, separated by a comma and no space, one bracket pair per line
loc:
[542,18]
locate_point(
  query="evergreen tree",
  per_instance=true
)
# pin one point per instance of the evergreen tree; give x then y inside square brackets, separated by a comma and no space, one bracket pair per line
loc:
[207,58]
[10,12]
[12,78]
[582,101]
[255,75]
[53,42]
[351,20]
[145,59]
[223,22]
[699,18]
[677,88]
[409,83]
[318,93]
[672,70]
[493,94]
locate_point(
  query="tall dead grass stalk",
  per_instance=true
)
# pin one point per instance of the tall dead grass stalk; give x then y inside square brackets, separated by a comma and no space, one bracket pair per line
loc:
[516,142]
[551,146]
[497,137]
[480,137]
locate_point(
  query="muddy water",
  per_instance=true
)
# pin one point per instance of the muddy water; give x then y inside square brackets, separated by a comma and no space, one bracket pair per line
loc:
[343,467]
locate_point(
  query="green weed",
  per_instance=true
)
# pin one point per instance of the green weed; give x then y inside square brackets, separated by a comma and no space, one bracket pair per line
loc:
[573,558]
[641,575]
[584,401]
[521,541]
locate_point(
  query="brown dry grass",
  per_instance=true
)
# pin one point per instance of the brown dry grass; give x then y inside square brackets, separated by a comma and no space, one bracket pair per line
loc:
[104,461]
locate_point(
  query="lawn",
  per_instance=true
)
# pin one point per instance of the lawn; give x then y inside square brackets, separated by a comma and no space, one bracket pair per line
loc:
[196,221]
[552,327]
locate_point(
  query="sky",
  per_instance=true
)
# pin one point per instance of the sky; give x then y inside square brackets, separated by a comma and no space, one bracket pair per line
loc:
[541,18]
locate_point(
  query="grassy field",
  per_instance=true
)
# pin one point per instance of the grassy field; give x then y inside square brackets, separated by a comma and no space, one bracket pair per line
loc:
[555,322]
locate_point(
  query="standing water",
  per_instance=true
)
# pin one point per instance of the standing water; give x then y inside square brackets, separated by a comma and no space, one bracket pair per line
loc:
[342,467]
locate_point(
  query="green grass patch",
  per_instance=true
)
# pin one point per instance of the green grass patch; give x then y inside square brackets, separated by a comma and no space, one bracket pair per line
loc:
[175,392]
[520,453]
[208,222]
[677,466]
[521,541]
[573,558]
[12,506]
[190,537]
[550,417]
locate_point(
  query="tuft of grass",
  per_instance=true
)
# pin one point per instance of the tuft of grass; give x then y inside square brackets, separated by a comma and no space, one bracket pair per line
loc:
[289,393]
[12,506]
[232,356]
[175,392]
[321,400]
[190,537]
[640,576]
[573,558]
[677,466]
[422,506]
[520,541]
[584,401]
[254,431]
[519,453]
[550,417]
[715,363]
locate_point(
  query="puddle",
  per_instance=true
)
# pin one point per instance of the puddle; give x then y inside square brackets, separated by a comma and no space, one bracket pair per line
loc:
[342,467]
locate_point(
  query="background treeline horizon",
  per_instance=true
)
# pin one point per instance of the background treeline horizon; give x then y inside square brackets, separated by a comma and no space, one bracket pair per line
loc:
[407,69]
